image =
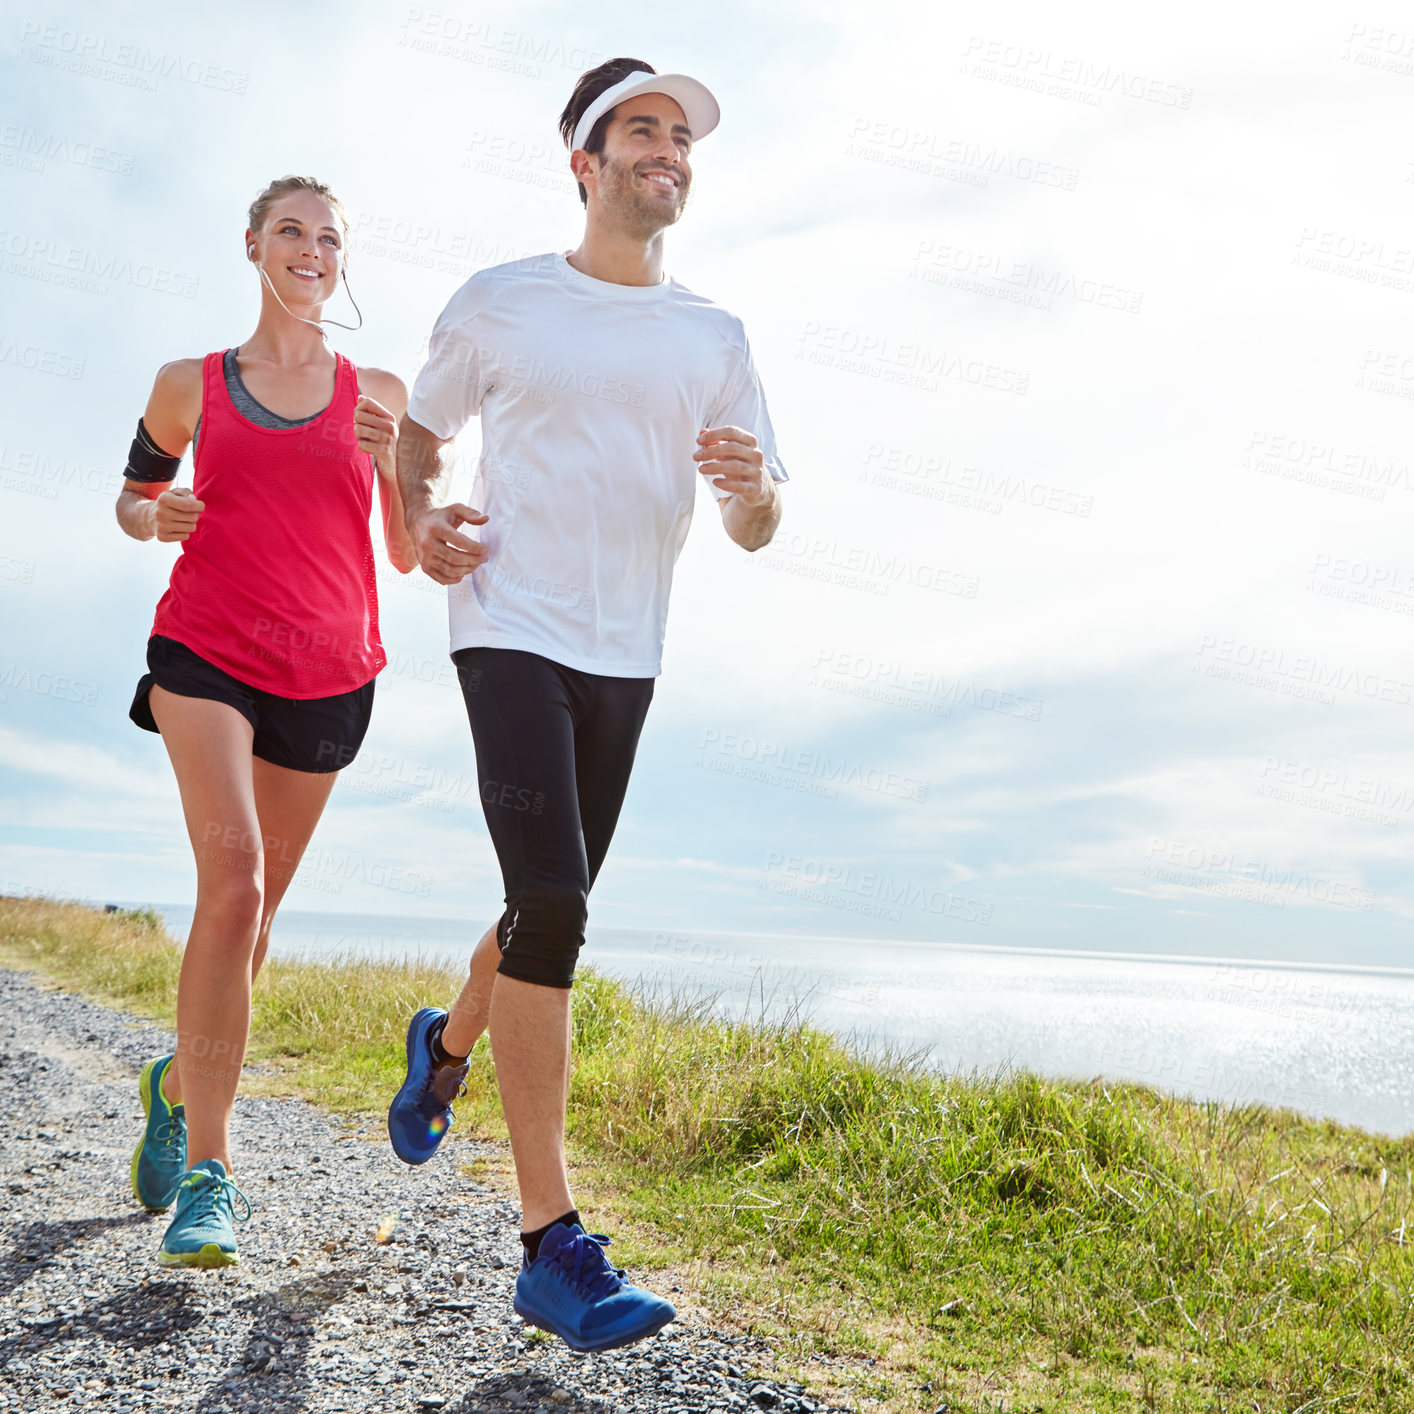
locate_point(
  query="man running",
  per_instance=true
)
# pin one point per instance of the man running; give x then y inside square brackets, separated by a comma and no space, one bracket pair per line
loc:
[605,390]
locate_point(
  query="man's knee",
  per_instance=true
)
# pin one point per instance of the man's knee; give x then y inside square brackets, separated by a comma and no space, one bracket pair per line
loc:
[540,934]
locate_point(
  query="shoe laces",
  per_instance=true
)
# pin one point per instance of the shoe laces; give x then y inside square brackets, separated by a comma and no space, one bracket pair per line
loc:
[169,1131]
[444,1085]
[210,1193]
[583,1262]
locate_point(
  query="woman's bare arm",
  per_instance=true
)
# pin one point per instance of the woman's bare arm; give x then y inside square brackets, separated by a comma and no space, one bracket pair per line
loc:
[384,401]
[160,508]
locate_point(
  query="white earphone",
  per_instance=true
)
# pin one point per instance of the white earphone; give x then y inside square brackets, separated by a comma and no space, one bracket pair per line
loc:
[250,255]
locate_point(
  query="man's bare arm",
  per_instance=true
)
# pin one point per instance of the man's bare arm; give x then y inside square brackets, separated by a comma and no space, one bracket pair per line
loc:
[733,462]
[752,526]
[444,554]
[422,468]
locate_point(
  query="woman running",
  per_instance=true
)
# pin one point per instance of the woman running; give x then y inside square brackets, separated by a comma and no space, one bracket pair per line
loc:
[261,660]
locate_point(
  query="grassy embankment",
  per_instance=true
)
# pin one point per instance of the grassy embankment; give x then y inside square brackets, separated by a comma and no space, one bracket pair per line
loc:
[993,1244]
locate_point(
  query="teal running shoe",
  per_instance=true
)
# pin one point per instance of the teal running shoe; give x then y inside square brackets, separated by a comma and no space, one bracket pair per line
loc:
[160,1159]
[203,1229]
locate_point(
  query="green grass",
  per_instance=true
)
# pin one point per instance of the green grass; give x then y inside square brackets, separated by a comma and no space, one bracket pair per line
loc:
[988,1243]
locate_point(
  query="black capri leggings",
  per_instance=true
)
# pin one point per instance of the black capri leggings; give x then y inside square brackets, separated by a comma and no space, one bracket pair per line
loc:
[554,748]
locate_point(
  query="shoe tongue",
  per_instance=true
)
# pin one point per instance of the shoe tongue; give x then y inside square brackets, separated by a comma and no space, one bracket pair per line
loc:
[559,1237]
[447,1081]
[212,1166]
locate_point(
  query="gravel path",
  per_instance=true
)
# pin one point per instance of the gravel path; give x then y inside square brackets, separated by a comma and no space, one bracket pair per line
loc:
[318,1316]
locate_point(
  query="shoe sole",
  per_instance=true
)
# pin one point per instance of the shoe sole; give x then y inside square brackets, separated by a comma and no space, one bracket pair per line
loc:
[209,1256]
[144,1089]
[407,1080]
[544,1323]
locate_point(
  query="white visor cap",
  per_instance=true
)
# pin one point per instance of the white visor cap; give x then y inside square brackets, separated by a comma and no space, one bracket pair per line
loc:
[695,99]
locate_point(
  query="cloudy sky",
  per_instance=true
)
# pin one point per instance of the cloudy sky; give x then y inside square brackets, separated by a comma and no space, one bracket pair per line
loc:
[1087,342]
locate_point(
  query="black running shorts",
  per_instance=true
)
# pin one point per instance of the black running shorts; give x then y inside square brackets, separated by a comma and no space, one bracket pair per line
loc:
[554,748]
[316,734]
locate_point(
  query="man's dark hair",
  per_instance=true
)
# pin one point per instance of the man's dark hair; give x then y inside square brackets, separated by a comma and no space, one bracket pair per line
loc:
[591,84]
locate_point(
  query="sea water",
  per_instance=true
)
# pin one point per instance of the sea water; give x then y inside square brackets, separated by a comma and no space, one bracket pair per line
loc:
[1327,1041]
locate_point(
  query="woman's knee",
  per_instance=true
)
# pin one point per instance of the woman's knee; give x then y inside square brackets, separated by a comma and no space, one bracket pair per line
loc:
[233,896]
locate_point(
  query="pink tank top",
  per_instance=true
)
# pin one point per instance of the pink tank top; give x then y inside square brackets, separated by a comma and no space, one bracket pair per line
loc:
[277,584]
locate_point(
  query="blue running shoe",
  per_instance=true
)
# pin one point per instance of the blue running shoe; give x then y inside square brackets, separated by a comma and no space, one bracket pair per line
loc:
[421,1112]
[572,1290]
[203,1229]
[160,1159]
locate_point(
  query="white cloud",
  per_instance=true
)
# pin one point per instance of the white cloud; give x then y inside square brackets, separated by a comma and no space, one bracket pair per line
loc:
[1169,500]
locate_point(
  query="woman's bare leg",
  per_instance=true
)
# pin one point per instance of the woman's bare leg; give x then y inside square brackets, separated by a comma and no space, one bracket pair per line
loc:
[209,744]
[288,804]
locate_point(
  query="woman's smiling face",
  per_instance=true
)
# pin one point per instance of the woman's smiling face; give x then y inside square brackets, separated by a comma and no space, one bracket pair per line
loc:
[301,247]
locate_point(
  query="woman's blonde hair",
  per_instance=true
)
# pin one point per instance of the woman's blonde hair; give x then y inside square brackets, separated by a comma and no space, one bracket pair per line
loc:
[283,186]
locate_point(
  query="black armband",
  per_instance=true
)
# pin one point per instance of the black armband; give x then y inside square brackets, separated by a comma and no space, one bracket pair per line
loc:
[147,461]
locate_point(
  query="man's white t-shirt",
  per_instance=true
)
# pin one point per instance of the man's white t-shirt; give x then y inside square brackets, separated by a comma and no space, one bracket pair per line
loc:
[591,396]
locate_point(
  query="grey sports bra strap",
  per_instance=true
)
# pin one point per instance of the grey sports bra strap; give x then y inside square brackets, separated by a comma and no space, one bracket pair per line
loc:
[246,405]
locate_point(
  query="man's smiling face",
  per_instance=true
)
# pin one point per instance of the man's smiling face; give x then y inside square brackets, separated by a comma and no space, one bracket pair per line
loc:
[645,169]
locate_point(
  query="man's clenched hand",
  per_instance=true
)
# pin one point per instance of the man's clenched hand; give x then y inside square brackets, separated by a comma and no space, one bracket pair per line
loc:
[730,457]
[444,554]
